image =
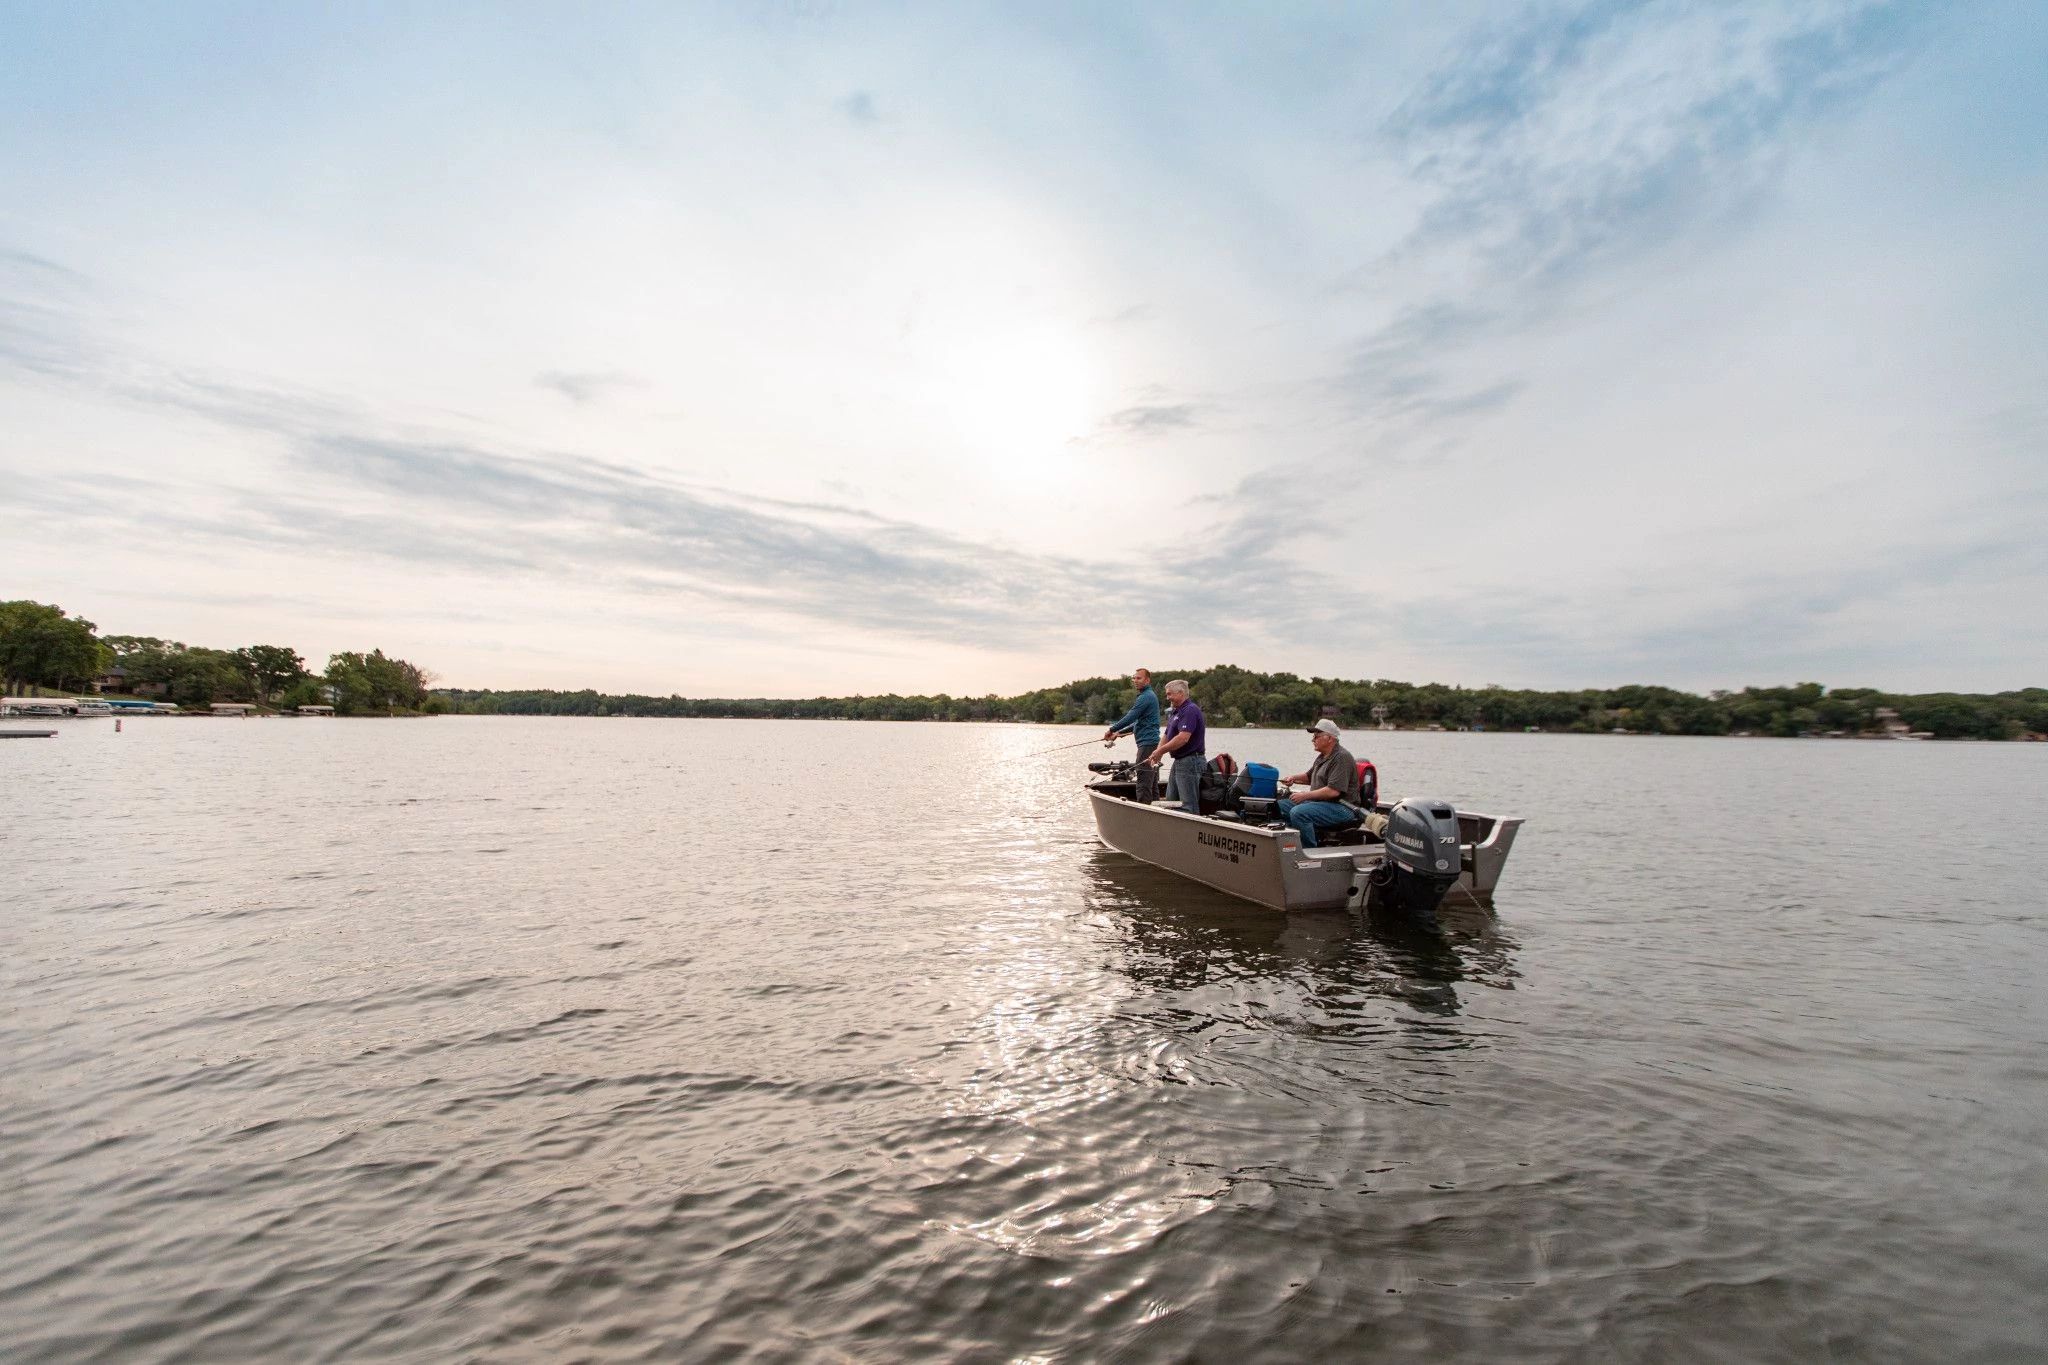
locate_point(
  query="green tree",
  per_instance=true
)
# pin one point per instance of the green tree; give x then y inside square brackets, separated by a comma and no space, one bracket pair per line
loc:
[197,677]
[365,683]
[307,690]
[272,668]
[41,646]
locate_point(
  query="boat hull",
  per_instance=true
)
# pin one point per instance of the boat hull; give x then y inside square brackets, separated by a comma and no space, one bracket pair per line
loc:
[1270,867]
[1266,867]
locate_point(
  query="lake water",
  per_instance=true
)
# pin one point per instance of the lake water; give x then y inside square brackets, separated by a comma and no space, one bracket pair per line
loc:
[550,1039]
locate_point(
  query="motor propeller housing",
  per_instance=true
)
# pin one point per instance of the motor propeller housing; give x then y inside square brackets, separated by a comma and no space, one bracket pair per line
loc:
[1422,852]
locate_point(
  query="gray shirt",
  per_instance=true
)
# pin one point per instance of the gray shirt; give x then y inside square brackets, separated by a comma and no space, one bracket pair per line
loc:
[1338,769]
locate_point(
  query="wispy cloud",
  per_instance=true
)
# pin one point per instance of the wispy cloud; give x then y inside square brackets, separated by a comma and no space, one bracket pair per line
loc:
[355,490]
[859,107]
[1406,370]
[1126,317]
[349,487]
[583,387]
[39,303]
[27,264]
[1153,419]
[1832,623]
[1560,139]
[1564,144]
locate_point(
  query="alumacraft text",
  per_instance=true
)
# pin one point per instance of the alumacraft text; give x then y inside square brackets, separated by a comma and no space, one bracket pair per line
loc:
[1227,848]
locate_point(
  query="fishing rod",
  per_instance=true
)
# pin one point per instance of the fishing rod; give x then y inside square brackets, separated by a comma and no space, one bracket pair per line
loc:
[1105,743]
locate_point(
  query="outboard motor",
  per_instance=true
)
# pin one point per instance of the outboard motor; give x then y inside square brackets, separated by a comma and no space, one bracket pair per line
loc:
[1422,859]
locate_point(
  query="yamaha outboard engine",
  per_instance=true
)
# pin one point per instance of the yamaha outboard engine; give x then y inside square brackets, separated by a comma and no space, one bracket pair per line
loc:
[1422,859]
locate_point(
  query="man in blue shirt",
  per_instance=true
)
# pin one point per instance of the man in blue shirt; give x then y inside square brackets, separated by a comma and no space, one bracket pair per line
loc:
[1141,722]
[1186,739]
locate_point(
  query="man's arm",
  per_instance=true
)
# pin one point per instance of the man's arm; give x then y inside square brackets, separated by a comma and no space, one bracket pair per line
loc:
[1318,794]
[1177,742]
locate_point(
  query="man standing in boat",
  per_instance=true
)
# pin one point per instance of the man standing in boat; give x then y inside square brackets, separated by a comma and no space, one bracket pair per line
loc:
[1186,739]
[1141,722]
[1331,791]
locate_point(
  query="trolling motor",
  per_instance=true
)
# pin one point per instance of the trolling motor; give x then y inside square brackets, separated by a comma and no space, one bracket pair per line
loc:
[1423,858]
[1119,770]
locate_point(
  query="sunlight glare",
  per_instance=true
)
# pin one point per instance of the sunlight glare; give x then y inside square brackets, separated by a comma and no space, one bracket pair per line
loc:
[1016,395]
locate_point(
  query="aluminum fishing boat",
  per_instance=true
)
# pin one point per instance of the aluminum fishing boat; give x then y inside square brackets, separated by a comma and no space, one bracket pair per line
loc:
[1430,850]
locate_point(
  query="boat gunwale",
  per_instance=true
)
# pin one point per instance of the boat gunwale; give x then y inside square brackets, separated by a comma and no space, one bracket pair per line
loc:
[1497,825]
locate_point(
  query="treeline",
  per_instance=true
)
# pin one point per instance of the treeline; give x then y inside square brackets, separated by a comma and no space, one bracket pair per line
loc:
[1233,697]
[42,646]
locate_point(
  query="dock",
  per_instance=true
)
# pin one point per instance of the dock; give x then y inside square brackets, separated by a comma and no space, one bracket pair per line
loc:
[28,734]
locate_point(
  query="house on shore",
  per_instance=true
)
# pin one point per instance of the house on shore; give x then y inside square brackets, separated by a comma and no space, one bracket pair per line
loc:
[1894,728]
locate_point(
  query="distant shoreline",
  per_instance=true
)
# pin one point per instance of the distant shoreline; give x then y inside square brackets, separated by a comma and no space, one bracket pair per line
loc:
[42,647]
[1235,698]
[1084,727]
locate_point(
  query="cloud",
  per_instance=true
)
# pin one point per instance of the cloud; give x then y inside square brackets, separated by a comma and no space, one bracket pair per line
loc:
[354,490]
[858,107]
[562,515]
[1559,147]
[1405,369]
[1556,141]
[351,486]
[38,301]
[1153,419]
[1125,317]
[585,387]
[24,264]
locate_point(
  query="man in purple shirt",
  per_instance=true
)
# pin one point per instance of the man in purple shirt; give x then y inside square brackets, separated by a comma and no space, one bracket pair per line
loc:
[1186,739]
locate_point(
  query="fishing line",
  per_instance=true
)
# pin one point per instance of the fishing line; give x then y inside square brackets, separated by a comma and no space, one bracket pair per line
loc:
[1105,743]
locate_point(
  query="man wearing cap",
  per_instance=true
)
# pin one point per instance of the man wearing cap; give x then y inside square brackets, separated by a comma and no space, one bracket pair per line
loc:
[1141,723]
[1186,739]
[1332,781]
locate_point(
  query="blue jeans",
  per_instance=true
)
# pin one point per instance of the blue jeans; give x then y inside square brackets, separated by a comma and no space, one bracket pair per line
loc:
[1310,816]
[1184,784]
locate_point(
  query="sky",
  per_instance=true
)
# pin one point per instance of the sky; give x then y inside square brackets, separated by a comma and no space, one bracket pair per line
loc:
[816,348]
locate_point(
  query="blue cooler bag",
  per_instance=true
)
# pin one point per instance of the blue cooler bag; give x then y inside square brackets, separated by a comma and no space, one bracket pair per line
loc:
[1265,779]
